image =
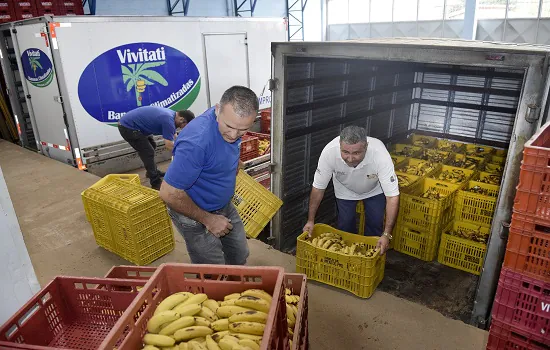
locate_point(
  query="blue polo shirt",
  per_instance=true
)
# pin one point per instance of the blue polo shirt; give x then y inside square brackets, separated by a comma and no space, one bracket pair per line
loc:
[204,165]
[151,120]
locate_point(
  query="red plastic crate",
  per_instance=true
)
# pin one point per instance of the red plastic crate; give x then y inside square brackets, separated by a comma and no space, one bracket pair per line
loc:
[7,13]
[131,272]
[70,7]
[265,121]
[70,313]
[297,283]
[503,336]
[533,191]
[249,147]
[524,303]
[47,7]
[216,281]
[528,248]
[261,137]
[24,9]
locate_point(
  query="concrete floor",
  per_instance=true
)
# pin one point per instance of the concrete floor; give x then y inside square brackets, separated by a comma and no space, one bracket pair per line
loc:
[46,197]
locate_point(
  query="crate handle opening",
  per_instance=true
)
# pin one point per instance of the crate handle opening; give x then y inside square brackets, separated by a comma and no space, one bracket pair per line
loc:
[91,286]
[541,228]
[46,297]
[253,279]
[11,331]
[29,314]
[79,286]
[191,276]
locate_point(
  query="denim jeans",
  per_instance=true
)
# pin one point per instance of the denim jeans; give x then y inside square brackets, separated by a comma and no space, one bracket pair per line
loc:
[205,248]
[374,215]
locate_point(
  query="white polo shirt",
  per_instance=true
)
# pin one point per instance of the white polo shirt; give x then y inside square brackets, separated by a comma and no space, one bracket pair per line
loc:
[373,176]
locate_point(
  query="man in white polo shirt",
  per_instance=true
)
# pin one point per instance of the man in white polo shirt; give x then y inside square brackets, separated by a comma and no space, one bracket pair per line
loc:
[361,169]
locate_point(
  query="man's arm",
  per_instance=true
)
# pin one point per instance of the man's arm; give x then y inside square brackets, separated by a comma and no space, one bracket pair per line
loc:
[392,210]
[315,199]
[169,144]
[180,202]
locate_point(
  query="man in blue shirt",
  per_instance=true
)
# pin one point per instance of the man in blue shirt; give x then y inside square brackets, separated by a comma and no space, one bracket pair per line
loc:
[138,126]
[200,181]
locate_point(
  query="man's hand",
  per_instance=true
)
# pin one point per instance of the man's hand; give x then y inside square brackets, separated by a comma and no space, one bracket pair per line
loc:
[218,225]
[308,228]
[383,244]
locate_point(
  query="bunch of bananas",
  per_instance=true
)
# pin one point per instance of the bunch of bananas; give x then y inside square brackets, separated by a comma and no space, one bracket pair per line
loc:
[480,190]
[406,151]
[432,193]
[419,169]
[334,243]
[264,146]
[473,235]
[404,180]
[452,176]
[291,312]
[187,321]
[494,168]
[422,142]
[477,151]
[433,155]
[493,179]
[447,146]
[466,163]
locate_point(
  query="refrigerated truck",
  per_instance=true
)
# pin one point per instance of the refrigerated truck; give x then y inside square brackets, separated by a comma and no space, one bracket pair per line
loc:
[75,77]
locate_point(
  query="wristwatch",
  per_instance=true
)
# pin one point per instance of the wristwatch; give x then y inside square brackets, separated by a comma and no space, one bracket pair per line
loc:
[389,235]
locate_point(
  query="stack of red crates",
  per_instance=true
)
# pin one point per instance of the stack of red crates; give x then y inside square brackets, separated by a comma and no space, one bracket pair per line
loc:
[521,310]
[14,10]
[24,9]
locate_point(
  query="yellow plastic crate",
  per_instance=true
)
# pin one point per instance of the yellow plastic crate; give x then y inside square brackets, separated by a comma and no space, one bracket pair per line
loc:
[476,208]
[412,201]
[397,160]
[497,160]
[461,253]
[422,140]
[255,204]
[411,179]
[413,162]
[131,178]
[129,220]
[356,274]
[434,155]
[494,168]
[501,152]
[461,161]
[488,178]
[450,146]
[478,150]
[421,244]
[466,173]
[405,150]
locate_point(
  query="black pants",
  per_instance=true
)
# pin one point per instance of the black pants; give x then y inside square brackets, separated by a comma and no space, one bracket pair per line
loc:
[145,147]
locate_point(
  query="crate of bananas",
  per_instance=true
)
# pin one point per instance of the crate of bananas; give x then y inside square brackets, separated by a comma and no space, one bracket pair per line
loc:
[466,162]
[478,150]
[396,160]
[417,167]
[434,155]
[475,203]
[501,152]
[463,246]
[416,242]
[186,306]
[340,259]
[488,178]
[453,175]
[405,150]
[450,146]
[422,141]
[405,180]
[494,168]
[296,297]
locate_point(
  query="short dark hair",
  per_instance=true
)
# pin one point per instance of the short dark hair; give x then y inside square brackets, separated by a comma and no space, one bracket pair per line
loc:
[244,101]
[187,115]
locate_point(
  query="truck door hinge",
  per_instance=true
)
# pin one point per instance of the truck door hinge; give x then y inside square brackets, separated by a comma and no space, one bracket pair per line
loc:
[58,99]
[272,84]
[533,113]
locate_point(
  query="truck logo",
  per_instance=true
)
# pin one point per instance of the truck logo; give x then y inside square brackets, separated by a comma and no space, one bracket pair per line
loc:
[37,67]
[135,75]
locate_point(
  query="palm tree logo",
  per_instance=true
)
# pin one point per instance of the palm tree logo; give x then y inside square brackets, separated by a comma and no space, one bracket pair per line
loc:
[33,61]
[138,76]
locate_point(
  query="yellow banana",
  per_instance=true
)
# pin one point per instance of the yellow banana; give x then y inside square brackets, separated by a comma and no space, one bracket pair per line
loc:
[201,340]
[201,321]
[172,301]
[239,347]
[249,343]
[290,313]
[211,343]
[188,333]
[228,311]
[208,314]
[314,241]
[184,346]
[291,322]
[251,316]
[258,293]
[256,338]
[295,309]
[220,325]
[158,340]
[228,302]
[150,347]
[255,328]
[172,327]
[219,335]
[232,296]
[154,324]
[227,344]
[254,303]
[195,299]
[232,338]
[211,304]
[188,310]
[195,345]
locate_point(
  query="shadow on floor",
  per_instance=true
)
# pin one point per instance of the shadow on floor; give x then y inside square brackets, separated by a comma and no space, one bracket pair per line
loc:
[439,287]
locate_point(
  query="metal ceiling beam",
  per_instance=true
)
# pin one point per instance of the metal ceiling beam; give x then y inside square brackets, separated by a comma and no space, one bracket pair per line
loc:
[91,5]
[241,9]
[295,15]
[172,4]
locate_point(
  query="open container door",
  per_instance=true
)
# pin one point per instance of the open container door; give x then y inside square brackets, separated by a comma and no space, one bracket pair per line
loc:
[45,102]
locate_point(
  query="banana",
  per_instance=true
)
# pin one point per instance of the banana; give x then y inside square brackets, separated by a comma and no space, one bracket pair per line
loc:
[228,302]
[201,340]
[158,340]
[232,296]
[195,345]
[256,338]
[211,343]
[295,309]
[249,343]
[291,323]
[211,304]
[188,310]
[328,243]
[208,314]
[314,241]
[250,316]
[255,328]
[184,346]
[220,325]
[172,301]
[239,347]
[232,338]
[227,344]
[228,311]
[290,313]
[195,299]
[321,241]
[154,324]
[259,294]
[254,303]
[192,332]
[150,347]
[201,321]
[172,327]
[219,335]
